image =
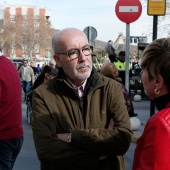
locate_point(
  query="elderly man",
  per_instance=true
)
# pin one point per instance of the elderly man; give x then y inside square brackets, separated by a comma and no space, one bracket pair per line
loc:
[53,67]
[80,120]
[52,64]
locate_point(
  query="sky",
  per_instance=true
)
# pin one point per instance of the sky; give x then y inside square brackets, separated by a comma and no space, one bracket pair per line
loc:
[99,14]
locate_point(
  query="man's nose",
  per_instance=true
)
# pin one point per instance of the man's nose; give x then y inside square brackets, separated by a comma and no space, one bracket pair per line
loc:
[82,56]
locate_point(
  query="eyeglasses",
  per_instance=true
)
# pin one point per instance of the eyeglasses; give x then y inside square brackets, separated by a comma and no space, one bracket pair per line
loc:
[75,53]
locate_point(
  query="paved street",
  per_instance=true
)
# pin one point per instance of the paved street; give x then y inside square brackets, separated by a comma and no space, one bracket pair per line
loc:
[27,158]
[142,108]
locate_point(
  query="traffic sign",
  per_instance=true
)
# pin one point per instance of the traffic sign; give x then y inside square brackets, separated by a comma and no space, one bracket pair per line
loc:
[91,34]
[128,11]
[156,7]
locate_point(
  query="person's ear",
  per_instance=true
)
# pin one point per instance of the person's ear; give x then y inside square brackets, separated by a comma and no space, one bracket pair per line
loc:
[159,82]
[57,60]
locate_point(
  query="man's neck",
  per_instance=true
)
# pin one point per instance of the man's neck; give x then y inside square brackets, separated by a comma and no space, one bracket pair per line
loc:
[78,84]
[121,61]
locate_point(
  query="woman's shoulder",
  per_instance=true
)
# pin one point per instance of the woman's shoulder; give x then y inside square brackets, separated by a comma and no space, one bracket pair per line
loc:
[162,116]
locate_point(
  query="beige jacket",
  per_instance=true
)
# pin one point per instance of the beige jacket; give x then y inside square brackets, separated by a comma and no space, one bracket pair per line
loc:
[29,74]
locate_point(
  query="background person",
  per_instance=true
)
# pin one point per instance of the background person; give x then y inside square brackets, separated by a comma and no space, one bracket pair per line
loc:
[152,150]
[121,66]
[11,131]
[27,75]
[33,68]
[39,69]
[80,119]
[110,70]
[111,50]
[52,63]
[54,67]
[40,79]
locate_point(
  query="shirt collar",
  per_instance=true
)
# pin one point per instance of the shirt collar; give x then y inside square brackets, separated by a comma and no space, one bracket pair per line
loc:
[75,87]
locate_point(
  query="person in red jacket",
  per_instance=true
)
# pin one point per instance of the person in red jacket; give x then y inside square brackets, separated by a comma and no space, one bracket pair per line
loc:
[11,131]
[153,151]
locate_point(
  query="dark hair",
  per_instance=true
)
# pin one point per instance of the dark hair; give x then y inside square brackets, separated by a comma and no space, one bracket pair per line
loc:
[110,41]
[122,53]
[46,69]
[25,60]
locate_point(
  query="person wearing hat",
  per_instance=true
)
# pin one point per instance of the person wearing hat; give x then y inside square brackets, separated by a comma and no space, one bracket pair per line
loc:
[121,66]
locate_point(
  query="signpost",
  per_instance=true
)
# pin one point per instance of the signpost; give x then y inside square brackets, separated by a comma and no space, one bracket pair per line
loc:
[128,11]
[156,7]
[91,34]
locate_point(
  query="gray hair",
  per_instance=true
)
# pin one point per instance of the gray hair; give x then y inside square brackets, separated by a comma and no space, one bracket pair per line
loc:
[156,59]
[54,42]
[59,38]
[52,61]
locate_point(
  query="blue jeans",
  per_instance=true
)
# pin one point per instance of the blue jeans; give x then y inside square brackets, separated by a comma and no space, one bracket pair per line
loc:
[9,150]
[26,86]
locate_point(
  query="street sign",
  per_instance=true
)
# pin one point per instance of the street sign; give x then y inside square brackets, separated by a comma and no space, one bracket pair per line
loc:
[91,34]
[128,11]
[156,7]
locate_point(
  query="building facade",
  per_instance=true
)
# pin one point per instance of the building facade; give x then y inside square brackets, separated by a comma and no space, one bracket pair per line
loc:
[27,33]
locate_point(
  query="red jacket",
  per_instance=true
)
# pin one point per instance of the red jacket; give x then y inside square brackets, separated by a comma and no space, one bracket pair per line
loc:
[10,101]
[153,147]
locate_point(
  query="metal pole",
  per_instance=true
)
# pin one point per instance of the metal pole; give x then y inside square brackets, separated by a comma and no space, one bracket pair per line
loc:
[127,57]
[155,23]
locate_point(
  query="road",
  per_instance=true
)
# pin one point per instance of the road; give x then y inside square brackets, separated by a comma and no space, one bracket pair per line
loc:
[27,159]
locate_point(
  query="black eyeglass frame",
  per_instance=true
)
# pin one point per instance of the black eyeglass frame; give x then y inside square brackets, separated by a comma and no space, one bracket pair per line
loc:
[67,53]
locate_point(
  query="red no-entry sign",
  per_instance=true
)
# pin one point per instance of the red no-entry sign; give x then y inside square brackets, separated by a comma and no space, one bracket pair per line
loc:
[128,11]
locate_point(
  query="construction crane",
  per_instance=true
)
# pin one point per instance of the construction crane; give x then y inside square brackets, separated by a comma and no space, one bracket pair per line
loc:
[116,43]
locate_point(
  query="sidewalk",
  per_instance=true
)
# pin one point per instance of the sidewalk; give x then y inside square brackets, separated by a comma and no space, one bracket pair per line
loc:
[142,108]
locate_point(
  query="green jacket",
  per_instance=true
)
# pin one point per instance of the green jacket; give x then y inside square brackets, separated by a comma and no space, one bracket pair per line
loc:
[57,108]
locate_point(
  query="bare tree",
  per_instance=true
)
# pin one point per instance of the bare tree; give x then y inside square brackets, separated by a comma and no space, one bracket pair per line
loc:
[3,37]
[163,21]
[27,35]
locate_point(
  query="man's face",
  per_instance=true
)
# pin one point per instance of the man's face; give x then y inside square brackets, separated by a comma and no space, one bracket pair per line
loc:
[32,64]
[25,63]
[52,65]
[79,69]
[122,58]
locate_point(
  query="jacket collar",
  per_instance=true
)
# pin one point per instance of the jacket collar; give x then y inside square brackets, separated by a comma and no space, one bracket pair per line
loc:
[93,82]
[162,101]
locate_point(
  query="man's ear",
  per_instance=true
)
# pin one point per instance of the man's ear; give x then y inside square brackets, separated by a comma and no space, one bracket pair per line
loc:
[57,60]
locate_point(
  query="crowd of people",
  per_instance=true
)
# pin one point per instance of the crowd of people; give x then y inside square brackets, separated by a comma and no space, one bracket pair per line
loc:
[32,76]
[81,117]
